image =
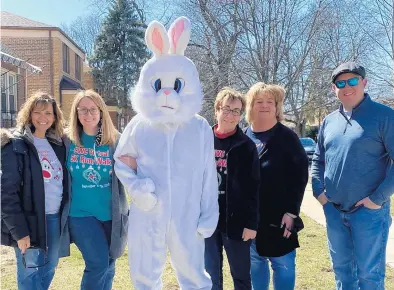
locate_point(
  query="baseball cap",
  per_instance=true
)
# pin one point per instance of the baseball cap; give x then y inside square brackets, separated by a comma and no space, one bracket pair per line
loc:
[348,67]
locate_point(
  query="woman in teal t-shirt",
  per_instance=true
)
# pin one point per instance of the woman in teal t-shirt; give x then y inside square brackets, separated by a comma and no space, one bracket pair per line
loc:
[98,211]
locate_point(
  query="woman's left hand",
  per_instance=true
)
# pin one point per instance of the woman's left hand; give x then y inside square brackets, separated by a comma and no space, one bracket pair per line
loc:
[287,222]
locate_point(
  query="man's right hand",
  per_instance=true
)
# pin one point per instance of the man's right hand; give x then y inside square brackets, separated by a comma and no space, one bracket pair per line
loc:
[24,243]
[322,198]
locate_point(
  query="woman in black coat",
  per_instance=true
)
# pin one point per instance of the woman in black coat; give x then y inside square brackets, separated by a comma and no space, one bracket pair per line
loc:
[34,190]
[284,175]
[238,172]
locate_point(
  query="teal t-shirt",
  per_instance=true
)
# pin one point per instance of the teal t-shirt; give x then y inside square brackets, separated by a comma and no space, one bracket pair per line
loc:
[91,179]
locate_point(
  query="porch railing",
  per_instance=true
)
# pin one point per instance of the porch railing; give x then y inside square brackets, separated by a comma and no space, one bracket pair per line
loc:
[8,119]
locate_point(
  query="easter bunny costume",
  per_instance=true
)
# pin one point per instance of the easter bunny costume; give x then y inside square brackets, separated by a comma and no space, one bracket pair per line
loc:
[174,190]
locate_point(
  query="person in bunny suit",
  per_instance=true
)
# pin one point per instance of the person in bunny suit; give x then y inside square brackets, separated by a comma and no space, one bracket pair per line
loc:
[174,190]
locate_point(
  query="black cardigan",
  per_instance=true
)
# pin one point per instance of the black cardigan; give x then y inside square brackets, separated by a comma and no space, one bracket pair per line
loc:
[242,187]
[284,175]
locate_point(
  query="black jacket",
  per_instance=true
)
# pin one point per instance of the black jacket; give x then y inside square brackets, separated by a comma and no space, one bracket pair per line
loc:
[284,175]
[22,188]
[242,188]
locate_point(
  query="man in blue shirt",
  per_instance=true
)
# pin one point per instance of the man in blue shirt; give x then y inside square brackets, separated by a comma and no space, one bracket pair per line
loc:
[353,178]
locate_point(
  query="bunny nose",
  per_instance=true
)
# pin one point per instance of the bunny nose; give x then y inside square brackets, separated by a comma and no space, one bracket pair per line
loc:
[167,92]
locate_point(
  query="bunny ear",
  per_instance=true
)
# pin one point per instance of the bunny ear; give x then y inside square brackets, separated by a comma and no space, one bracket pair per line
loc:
[179,35]
[156,38]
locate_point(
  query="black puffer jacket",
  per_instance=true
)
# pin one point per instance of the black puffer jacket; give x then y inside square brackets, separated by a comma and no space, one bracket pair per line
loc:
[22,187]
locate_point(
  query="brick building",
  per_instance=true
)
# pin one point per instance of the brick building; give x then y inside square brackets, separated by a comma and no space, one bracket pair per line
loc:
[63,68]
[15,73]
[58,56]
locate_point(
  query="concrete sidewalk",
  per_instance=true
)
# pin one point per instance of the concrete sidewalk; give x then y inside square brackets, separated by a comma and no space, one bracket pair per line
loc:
[312,208]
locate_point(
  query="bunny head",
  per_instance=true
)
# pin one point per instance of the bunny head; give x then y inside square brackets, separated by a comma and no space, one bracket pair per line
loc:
[168,90]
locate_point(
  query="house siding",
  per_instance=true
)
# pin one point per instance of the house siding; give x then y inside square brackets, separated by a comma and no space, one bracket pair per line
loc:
[35,51]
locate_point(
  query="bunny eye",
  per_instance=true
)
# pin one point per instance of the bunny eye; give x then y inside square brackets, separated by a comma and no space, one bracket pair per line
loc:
[179,84]
[156,84]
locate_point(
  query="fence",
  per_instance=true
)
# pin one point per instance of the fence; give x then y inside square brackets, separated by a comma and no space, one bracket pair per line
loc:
[8,119]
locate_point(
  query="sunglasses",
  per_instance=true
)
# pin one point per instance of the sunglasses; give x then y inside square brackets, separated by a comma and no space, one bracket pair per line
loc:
[351,82]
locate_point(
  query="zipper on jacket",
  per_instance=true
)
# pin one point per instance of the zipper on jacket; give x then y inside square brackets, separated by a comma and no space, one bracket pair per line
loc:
[46,230]
[347,119]
[45,216]
[227,208]
[227,211]
[170,139]
[169,180]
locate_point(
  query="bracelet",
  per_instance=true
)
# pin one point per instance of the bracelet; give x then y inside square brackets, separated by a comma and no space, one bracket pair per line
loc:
[293,217]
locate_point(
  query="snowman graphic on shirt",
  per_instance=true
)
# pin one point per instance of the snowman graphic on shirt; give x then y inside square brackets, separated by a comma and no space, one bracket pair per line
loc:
[47,169]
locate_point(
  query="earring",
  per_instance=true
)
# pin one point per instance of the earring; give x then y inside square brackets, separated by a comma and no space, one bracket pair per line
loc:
[99,133]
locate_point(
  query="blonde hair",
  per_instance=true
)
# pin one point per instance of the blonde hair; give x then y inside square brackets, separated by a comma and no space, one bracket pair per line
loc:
[41,99]
[228,94]
[74,131]
[276,91]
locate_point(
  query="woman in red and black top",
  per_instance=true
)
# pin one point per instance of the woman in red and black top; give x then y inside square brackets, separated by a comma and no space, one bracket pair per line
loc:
[239,177]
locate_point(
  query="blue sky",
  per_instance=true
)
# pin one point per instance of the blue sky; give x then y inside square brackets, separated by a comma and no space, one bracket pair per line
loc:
[52,12]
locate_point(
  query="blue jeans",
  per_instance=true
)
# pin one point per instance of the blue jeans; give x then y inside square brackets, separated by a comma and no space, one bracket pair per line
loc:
[40,278]
[93,238]
[238,255]
[357,243]
[283,270]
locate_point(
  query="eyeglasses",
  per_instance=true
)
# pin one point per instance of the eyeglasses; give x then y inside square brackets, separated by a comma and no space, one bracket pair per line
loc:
[34,258]
[235,112]
[351,82]
[84,111]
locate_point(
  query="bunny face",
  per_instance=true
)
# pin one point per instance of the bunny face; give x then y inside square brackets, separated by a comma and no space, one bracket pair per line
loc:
[168,90]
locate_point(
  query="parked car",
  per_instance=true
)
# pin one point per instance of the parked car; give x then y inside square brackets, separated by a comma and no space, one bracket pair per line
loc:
[309,145]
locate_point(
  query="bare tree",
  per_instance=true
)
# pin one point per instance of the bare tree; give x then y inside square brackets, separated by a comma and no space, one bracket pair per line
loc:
[376,19]
[84,31]
[295,43]
[160,10]
[336,42]
[275,47]
[216,30]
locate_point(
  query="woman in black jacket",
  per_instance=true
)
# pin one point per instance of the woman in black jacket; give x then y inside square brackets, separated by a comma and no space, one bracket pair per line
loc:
[239,177]
[284,175]
[34,190]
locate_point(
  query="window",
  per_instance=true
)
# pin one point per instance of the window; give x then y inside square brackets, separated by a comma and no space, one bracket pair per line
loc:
[8,91]
[8,99]
[66,59]
[11,93]
[77,67]
[3,91]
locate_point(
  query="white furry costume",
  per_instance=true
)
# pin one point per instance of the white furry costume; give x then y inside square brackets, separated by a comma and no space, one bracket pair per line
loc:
[174,192]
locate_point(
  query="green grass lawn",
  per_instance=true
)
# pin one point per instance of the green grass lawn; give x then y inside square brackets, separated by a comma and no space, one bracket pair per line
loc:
[313,267]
